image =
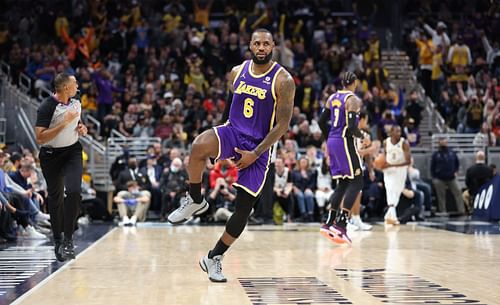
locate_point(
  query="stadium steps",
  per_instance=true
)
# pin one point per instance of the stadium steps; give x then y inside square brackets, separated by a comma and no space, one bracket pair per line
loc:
[402,76]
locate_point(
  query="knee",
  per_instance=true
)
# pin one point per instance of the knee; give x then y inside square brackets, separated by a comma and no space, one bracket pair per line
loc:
[205,145]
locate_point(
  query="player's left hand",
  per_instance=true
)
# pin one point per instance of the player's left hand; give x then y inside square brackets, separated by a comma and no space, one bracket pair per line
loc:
[247,158]
[82,129]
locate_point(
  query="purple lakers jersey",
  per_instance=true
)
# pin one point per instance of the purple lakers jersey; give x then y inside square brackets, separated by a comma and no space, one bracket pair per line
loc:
[254,101]
[336,104]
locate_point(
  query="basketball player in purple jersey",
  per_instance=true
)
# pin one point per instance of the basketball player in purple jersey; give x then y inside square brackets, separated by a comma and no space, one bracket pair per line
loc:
[260,113]
[342,108]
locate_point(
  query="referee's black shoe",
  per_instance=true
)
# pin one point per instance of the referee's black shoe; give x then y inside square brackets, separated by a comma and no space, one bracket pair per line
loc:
[58,250]
[68,249]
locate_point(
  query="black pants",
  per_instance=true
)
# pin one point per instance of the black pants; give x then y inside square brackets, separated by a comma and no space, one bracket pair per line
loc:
[264,207]
[62,169]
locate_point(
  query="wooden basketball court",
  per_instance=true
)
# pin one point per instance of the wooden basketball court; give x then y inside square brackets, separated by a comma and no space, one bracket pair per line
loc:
[158,264]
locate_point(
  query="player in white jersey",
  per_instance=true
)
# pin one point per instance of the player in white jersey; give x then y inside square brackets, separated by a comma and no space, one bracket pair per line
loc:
[397,156]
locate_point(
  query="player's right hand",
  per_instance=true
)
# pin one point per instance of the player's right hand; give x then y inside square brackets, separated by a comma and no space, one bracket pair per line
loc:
[366,142]
[70,115]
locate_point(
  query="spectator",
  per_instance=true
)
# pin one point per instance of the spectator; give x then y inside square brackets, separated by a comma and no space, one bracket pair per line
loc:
[484,137]
[425,47]
[444,168]
[283,188]
[153,171]
[132,201]
[476,176]
[173,184]
[418,184]
[439,36]
[323,186]
[222,199]
[131,173]
[459,58]
[410,204]
[304,184]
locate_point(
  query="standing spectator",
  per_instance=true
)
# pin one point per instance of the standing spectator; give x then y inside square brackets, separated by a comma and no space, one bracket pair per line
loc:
[439,36]
[104,82]
[459,58]
[476,176]
[425,48]
[444,168]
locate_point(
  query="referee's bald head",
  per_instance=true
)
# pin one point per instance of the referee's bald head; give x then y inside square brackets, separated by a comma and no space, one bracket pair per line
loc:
[61,80]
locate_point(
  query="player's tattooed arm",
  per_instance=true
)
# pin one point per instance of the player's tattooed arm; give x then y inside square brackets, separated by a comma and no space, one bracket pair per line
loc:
[284,107]
[230,81]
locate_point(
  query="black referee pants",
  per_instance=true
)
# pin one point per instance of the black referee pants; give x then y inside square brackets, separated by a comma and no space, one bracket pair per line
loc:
[62,168]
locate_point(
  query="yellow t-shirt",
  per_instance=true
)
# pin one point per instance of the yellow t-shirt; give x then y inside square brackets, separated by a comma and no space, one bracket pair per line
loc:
[437,61]
[459,57]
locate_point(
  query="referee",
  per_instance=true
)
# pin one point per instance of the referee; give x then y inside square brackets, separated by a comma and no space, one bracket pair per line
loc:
[57,130]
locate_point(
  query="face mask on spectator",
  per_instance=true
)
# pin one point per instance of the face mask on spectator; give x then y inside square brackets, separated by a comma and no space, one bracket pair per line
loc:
[174,169]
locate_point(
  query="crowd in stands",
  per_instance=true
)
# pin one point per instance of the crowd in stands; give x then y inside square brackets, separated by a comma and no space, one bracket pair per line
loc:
[457,53]
[158,69]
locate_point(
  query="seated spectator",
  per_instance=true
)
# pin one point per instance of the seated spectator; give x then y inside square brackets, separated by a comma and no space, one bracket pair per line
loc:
[304,184]
[223,169]
[173,184]
[283,188]
[410,204]
[153,171]
[412,133]
[222,199]
[476,176]
[484,137]
[323,186]
[418,184]
[133,201]
[373,195]
[12,207]
[92,206]
[131,172]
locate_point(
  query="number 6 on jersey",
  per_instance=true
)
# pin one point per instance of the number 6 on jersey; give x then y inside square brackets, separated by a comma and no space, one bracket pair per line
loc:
[248,108]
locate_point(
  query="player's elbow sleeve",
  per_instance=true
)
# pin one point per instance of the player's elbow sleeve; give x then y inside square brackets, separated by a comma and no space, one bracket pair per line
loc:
[352,125]
[323,122]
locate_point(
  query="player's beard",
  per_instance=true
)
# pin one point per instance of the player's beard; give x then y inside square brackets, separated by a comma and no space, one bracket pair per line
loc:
[264,61]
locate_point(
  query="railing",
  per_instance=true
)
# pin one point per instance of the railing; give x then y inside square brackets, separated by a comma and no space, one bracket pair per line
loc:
[25,124]
[493,156]
[24,83]
[135,146]
[21,110]
[95,121]
[115,133]
[98,164]
[4,69]
[44,93]
[3,129]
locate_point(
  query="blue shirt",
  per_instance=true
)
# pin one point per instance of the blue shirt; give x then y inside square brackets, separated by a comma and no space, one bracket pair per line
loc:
[444,164]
